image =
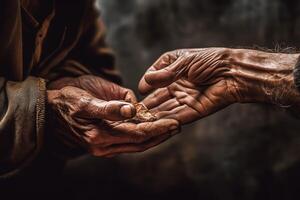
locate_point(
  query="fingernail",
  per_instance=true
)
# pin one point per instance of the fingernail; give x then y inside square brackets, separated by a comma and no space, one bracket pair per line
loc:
[126,111]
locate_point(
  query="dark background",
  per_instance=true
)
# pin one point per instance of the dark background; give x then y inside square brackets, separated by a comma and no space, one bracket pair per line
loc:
[243,152]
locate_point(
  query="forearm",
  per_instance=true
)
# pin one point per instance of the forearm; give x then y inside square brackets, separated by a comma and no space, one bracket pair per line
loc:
[265,77]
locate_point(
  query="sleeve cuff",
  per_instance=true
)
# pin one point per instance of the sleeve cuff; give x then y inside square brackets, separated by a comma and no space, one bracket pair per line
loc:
[34,90]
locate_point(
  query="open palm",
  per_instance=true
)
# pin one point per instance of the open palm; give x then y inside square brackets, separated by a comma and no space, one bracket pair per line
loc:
[187,90]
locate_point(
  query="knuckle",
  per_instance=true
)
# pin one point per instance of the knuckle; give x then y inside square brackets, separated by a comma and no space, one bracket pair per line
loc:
[225,56]
[225,52]
[84,103]
[103,108]
[166,54]
[90,140]
[93,138]
[171,54]
[90,137]
[177,52]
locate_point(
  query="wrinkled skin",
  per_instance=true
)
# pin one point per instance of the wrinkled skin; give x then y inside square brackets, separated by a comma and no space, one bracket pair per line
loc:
[90,112]
[194,83]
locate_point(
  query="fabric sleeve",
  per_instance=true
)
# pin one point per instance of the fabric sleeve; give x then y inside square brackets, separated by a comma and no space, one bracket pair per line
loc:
[22,116]
[91,56]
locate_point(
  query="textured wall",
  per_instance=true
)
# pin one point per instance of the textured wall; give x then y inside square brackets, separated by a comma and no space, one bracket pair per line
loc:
[242,152]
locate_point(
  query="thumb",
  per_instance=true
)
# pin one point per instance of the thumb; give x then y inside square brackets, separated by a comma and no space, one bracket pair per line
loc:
[109,110]
[158,78]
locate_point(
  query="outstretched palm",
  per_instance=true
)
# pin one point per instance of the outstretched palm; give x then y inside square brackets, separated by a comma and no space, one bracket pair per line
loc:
[187,91]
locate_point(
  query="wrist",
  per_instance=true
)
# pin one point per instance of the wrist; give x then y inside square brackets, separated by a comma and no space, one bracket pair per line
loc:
[55,142]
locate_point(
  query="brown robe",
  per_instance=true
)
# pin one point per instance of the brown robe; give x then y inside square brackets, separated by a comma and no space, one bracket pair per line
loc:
[68,42]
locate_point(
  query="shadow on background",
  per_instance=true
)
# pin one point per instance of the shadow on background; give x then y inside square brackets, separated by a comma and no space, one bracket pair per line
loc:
[242,152]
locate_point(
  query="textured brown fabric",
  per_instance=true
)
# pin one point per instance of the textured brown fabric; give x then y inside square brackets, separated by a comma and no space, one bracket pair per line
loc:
[69,41]
[22,107]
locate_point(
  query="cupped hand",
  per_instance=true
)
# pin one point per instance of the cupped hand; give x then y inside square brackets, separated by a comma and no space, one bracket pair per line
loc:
[91,113]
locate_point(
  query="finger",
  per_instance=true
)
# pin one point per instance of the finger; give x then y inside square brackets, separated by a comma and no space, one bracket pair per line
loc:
[157,77]
[144,87]
[146,130]
[183,114]
[125,132]
[166,106]
[157,97]
[130,97]
[109,110]
[164,61]
[130,148]
[104,89]
[104,137]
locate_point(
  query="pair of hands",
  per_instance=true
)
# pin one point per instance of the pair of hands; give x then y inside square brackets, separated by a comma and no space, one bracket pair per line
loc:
[190,84]
[183,86]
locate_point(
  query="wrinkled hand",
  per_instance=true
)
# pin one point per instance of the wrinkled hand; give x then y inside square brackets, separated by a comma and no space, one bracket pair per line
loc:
[194,83]
[91,113]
